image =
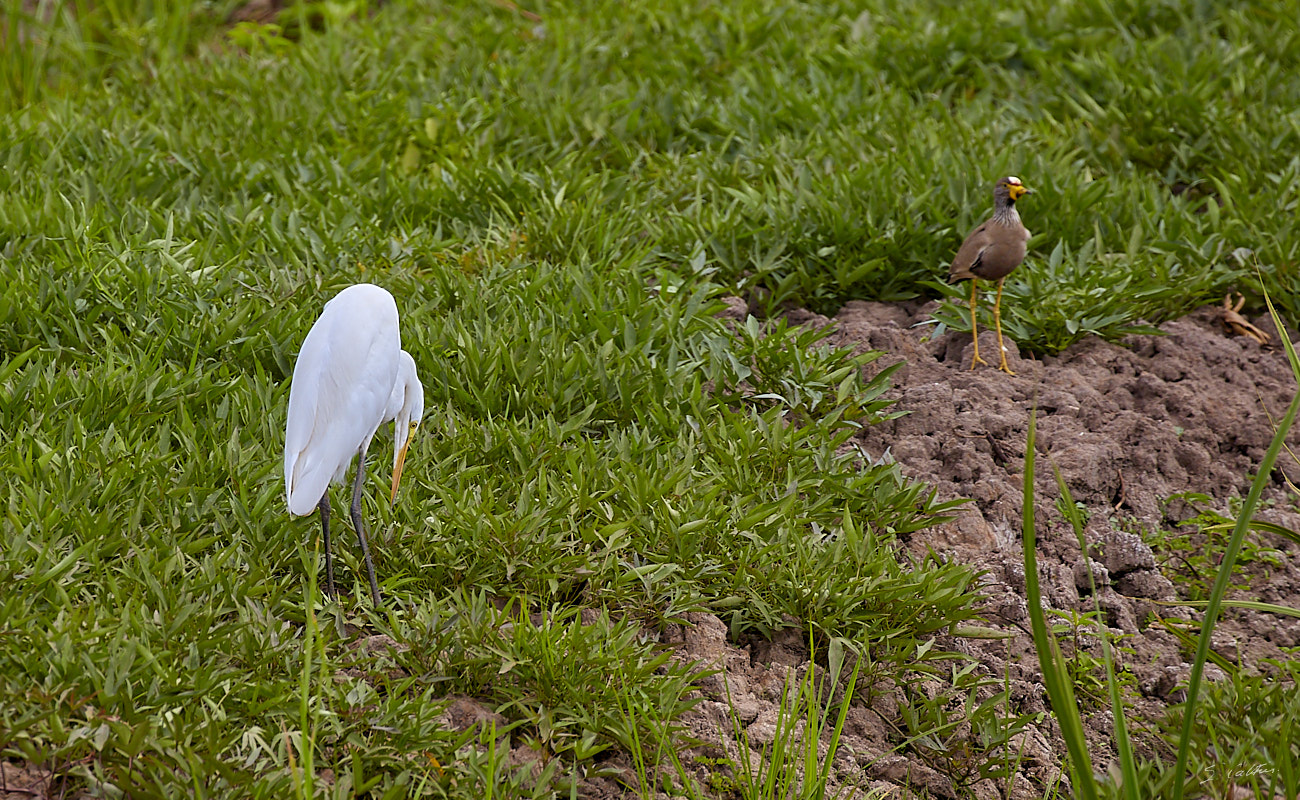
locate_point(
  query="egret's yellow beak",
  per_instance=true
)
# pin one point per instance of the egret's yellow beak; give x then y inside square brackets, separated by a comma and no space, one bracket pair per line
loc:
[401,462]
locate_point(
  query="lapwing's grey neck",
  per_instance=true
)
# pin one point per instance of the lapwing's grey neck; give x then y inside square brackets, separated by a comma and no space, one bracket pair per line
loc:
[1006,215]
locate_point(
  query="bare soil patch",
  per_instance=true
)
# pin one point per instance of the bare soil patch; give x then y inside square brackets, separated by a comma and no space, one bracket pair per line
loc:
[20,779]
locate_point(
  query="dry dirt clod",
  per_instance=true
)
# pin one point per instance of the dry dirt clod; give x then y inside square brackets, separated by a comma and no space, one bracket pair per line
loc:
[463,713]
[1123,553]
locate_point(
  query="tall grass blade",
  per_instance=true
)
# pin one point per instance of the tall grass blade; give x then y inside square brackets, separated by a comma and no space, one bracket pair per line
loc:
[1055,676]
[1251,605]
[306,786]
[1123,746]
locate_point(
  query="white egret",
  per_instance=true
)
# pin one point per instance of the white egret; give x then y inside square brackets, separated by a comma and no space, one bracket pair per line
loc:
[352,375]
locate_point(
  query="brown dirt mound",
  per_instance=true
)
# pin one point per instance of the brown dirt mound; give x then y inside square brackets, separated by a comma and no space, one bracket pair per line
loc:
[1129,425]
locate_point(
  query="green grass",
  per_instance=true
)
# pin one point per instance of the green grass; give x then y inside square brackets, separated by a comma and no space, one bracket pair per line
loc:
[1249,723]
[823,151]
[1190,557]
[779,772]
[558,198]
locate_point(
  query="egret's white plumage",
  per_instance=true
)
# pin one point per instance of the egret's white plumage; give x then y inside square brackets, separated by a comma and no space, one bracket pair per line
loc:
[342,383]
[351,376]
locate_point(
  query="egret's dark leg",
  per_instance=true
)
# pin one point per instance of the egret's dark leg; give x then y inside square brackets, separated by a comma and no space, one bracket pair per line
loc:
[324,507]
[361,530]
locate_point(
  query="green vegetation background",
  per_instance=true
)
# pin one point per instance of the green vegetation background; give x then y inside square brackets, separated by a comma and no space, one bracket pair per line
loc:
[557,195]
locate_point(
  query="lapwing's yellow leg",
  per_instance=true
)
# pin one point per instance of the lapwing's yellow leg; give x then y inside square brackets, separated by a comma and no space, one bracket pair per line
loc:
[975,334]
[997,323]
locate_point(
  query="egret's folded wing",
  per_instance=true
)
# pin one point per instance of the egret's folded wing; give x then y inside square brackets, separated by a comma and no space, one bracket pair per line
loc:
[341,385]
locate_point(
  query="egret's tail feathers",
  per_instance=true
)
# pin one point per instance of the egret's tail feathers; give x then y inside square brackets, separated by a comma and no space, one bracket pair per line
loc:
[302,488]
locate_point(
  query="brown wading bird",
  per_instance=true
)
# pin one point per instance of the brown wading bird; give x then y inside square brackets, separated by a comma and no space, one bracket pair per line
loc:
[991,252]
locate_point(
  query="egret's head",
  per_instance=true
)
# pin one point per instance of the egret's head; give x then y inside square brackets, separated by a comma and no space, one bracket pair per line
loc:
[408,417]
